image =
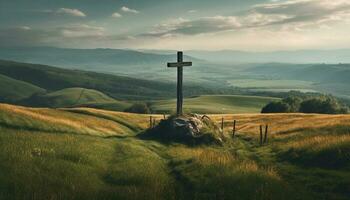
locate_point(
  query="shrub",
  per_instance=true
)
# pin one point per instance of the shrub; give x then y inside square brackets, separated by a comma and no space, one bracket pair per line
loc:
[319,104]
[326,105]
[276,107]
[293,102]
[140,108]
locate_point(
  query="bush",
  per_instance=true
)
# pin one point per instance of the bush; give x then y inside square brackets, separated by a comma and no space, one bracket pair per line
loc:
[320,104]
[276,107]
[140,108]
[293,102]
[327,105]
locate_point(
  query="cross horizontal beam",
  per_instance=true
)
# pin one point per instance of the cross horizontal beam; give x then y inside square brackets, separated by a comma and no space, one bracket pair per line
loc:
[180,64]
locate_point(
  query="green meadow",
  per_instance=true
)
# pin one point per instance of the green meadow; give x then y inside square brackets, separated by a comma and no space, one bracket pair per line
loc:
[85,153]
[215,104]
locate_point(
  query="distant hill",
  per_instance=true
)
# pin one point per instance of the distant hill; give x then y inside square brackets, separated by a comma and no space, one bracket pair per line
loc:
[330,78]
[12,90]
[34,78]
[119,61]
[117,87]
[298,56]
[75,97]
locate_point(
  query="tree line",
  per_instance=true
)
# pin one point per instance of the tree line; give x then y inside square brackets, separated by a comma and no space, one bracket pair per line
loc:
[322,104]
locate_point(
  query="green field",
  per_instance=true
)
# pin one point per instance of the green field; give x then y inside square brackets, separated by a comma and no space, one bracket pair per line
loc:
[271,84]
[215,104]
[85,153]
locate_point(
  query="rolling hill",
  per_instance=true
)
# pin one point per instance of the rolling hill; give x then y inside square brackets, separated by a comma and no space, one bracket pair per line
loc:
[75,97]
[120,61]
[219,71]
[117,87]
[297,56]
[215,104]
[12,90]
[329,78]
[84,153]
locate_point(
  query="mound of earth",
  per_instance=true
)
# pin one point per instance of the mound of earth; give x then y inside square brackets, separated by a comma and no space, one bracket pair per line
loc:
[189,129]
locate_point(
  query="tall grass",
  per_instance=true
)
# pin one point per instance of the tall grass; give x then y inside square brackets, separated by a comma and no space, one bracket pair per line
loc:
[69,154]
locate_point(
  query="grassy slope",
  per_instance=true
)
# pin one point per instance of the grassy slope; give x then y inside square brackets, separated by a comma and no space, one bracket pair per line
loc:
[75,97]
[118,87]
[215,104]
[13,90]
[86,153]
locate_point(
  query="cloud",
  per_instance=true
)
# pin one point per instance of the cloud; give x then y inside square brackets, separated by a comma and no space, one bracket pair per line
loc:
[71,12]
[116,15]
[26,28]
[194,27]
[292,14]
[68,35]
[81,30]
[129,10]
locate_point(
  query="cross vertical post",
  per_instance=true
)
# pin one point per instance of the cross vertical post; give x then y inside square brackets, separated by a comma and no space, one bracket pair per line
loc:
[179,85]
[179,65]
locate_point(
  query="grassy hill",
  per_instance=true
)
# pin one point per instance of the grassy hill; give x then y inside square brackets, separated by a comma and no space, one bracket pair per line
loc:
[85,153]
[12,90]
[109,60]
[215,104]
[118,87]
[75,97]
[330,78]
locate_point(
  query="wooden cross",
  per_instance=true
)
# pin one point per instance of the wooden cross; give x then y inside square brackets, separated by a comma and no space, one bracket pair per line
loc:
[179,65]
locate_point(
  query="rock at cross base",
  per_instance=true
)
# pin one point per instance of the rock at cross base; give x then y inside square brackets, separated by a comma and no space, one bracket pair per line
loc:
[190,129]
[192,125]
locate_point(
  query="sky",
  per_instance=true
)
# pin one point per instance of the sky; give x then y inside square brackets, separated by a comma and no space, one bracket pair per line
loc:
[247,25]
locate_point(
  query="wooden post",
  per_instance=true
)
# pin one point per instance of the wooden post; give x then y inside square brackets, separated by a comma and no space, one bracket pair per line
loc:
[154,123]
[222,124]
[164,116]
[234,128]
[179,65]
[261,135]
[150,122]
[266,130]
[179,84]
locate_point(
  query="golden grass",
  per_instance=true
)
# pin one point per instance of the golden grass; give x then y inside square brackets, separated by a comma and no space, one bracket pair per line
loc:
[54,119]
[106,123]
[317,143]
[281,123]
[206,157]
[139,120]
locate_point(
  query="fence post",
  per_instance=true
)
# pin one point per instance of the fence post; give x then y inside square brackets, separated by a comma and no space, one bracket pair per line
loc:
[234,128]
[261,135]
[266,132]
[150,122]
[222,124]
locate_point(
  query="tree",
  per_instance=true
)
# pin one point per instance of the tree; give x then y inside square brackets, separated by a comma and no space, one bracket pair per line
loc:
[293,102]
[323,105]
[276,107]
[140,108]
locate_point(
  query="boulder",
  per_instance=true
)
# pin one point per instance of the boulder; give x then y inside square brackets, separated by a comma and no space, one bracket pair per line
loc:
[191,128]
